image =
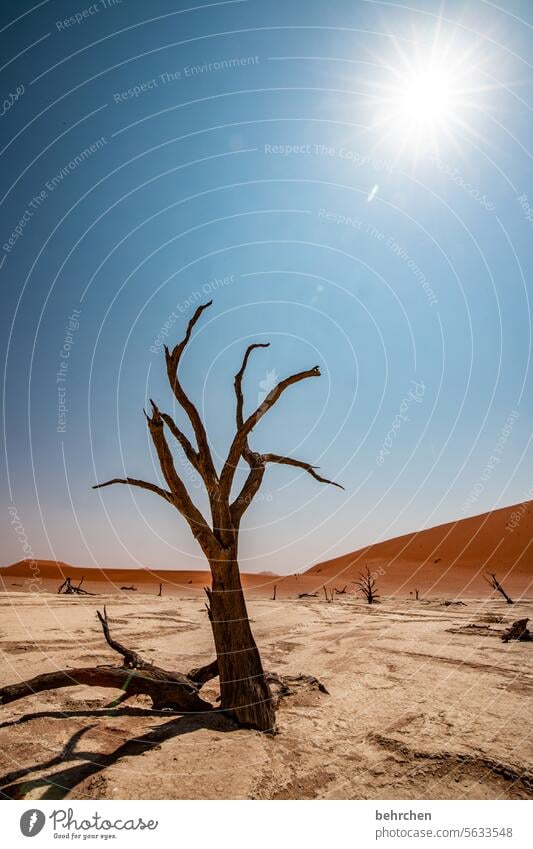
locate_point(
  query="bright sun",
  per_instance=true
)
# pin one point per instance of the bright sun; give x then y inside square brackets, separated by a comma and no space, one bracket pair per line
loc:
[425,100]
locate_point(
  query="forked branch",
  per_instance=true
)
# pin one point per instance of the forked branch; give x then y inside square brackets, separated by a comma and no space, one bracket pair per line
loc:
[240,446]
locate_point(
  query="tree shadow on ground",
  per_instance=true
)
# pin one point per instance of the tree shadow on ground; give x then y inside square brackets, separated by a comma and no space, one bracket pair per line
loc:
[18,783]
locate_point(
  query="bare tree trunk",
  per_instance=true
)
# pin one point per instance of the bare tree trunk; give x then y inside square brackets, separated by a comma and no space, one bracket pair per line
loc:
[243,686]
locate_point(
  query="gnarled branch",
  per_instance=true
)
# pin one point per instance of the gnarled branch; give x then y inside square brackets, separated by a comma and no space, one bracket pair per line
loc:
[238,446]
[238,381]
[173,692]
[258,464]
[241,448]
[152,487]
[131,659]
[173,358]
[179,436]
[257,467]
[180,497]
[300,464]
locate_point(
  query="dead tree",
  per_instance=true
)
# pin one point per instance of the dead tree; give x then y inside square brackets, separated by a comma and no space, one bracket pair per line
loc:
[131,589]
[495,584]
[341,592]
[274,592]
[244,688]
[68,588]
[308,595]
[160,593]
[367,585]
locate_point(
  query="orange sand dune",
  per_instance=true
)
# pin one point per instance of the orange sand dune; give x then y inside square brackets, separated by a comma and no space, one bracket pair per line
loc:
[447,559]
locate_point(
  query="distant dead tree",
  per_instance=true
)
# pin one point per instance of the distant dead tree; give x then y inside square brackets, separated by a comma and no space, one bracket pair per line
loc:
[495,584]
[308,595]
[274,593]
[131,589]
[341,592]
[68,588]
[366,583]
[160,593]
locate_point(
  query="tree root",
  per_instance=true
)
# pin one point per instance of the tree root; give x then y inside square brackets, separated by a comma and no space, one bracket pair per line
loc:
[174,691]
[288,685]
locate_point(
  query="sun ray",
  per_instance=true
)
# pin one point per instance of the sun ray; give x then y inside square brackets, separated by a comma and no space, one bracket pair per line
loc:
[429,95]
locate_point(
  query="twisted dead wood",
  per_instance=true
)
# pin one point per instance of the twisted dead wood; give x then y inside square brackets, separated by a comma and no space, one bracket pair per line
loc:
[138,677]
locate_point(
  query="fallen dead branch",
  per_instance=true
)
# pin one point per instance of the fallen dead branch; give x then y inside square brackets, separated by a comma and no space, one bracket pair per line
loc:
[168,690]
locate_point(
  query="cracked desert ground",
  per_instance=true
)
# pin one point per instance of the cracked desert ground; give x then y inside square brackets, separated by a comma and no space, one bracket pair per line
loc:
[425,701]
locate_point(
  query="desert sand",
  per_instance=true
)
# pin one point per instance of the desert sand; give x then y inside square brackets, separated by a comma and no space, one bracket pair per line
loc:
[425,702]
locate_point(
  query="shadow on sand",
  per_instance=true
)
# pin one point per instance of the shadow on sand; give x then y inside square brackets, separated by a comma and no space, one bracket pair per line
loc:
[58,784]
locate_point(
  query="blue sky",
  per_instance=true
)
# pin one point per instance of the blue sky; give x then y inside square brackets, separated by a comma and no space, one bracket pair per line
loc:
[236,151]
